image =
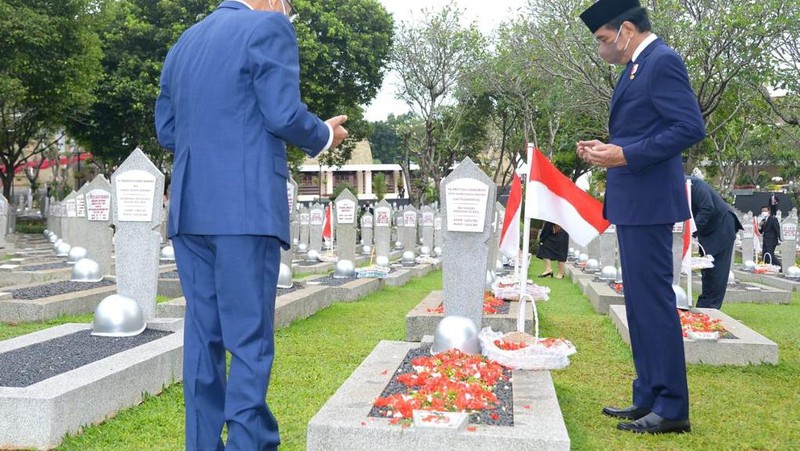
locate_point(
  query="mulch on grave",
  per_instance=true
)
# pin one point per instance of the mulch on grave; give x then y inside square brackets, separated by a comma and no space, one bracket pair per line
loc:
[56,288]
[26,366]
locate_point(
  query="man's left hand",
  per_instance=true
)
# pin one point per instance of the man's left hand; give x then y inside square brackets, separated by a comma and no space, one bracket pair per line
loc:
[605,155]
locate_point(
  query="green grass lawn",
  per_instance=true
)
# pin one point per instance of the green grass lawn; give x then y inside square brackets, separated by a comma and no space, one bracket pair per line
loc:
[754,407]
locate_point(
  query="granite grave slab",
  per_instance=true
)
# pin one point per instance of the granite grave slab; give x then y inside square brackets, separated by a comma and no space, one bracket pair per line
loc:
[748,348]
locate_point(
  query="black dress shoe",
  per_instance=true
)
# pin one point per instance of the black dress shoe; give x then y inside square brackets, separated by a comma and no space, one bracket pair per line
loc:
[627,413]
[654,424]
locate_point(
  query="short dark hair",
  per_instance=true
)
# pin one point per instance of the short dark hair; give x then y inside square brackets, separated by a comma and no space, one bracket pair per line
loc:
[637,16]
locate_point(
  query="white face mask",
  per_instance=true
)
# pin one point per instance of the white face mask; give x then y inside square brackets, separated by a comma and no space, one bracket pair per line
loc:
[609,51]
[626,44]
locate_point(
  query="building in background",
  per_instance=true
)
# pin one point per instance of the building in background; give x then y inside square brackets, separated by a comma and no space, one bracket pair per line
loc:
[315,182]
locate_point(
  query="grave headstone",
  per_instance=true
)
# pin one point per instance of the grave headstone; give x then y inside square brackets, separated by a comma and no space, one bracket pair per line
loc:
[317,216]
[305,224]
[97,224]
[77,224]
[164,221]
[418,232]
[408,232]
[677,252]
[468,197]
[427,226]
[137,186]
[397,222]
[291,196]
[593,248]
[608,246]
[12,221]
[67,224]
[4,212]
[345,222]
[294,218]
[383,229]
[438,240]
[748,234]
[44,206]
[499,213]
[789,243]
[366,229]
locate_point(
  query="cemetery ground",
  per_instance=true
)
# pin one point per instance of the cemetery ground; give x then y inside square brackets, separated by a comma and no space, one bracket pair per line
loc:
[753,407]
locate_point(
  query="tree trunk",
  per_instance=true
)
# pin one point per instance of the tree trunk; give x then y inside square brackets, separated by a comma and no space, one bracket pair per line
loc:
[8,180]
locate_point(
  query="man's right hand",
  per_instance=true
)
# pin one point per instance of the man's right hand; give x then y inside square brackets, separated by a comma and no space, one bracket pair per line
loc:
[339,132]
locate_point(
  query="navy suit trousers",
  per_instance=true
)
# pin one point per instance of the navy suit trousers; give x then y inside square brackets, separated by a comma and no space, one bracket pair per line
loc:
[229,282]
[715,280]
[654,325]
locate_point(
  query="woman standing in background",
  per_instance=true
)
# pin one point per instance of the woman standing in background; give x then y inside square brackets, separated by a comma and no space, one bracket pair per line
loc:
[553,245]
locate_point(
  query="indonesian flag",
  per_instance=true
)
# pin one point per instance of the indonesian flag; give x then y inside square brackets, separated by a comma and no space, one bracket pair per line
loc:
[509,236]
[327,223]
[689,227]
[552,196]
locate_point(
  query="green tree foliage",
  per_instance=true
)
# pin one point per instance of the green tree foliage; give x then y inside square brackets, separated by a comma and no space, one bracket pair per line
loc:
[344,47]
[337,190]
[432,57]
[49,64]
[135,43]
[379,186]
[384,140]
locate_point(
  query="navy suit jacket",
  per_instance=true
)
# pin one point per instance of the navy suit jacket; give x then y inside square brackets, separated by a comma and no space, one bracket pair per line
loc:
[712,216]
[230,97]
[654,117]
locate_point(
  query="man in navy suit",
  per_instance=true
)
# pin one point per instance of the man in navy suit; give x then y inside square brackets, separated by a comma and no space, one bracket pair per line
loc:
[654,117]
[717,225]
[230,98]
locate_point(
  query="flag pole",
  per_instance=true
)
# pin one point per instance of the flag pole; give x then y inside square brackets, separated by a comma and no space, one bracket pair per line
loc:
[523,277]
[689,225]
[526,240]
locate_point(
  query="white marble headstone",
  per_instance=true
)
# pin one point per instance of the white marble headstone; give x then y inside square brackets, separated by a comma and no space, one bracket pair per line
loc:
[96,223]
[468,198]
[136,197]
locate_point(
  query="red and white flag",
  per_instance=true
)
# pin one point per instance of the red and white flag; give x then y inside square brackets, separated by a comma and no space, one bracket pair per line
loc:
[689,227]
[552,196]
[327,223]
[509,236]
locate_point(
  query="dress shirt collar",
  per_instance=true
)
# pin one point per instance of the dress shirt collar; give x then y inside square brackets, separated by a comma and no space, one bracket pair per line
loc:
[647,41]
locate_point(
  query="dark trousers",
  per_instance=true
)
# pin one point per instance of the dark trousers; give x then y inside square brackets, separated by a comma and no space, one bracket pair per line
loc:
[655,330]
[715,280]
[230,284]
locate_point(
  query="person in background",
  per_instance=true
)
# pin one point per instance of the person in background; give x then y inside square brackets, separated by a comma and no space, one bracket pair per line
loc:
[553,245]
[717,225]
[771,233]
